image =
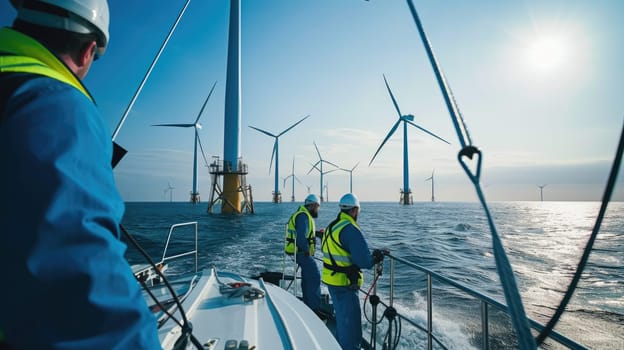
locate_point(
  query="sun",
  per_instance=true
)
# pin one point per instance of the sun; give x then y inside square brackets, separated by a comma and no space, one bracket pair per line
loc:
[547,53]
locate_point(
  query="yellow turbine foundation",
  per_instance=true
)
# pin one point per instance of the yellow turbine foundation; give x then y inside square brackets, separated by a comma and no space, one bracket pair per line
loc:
[235,196]
[231,194]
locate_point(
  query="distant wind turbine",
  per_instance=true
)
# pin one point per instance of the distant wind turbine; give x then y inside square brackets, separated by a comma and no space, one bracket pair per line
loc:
[275,153]
[406,119]
[351,176]
[170,190]
[542,192]
[432,186]
[320,169]
[327,191]
[196,126]
[294,177]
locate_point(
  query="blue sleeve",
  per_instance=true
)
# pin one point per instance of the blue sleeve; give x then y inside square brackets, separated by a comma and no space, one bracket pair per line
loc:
[70,285]
[351,238]
[301,225]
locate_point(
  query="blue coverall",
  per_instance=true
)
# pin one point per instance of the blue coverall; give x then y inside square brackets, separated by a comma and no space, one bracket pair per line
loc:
[310,276]
[345,300]
[66,283]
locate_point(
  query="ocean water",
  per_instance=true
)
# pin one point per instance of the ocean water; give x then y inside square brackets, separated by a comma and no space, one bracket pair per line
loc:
[544,242]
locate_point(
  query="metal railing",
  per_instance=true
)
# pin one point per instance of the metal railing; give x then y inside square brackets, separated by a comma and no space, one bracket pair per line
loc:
[166,258]
[485,303]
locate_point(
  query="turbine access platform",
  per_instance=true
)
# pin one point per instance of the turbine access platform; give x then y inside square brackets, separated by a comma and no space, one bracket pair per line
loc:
[234,187]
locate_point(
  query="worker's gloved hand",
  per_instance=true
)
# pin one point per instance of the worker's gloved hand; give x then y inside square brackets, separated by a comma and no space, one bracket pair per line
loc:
[378,256]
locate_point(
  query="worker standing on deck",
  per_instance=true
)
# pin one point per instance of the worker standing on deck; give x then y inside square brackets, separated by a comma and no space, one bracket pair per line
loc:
[345,252]
[301,232]
[66,282]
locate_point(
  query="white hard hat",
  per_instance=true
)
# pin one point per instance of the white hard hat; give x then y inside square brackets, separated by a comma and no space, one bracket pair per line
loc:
[78,16]
[312,198]
[349,201]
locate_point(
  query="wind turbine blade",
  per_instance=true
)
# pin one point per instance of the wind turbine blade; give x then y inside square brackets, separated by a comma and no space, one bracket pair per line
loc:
[176,125]
[286,178]
[299,181]
[428,132]
[396,105]
[317,151]
[201,148]
[314,167]
[205,102]
[328,162]
[273,154]
[396,125]
[329,171]
[285,131]
[262,131]
[358,163]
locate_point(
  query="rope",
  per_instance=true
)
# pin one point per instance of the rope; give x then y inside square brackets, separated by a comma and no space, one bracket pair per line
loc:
[512,296]
[186,326]
[590,243]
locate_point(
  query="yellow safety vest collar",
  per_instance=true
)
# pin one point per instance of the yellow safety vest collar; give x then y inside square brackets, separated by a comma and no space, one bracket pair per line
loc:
[20,53]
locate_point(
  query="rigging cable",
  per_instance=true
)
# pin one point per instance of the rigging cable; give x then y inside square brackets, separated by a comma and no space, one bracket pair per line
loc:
[590,243]
[149,71]
[510,289]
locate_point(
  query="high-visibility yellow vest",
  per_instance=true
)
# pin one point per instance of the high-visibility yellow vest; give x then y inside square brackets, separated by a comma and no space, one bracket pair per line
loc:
[20,53]
[337,264]
[291,232]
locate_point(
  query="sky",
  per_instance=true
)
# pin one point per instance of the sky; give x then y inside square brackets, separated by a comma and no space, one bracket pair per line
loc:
[538,83]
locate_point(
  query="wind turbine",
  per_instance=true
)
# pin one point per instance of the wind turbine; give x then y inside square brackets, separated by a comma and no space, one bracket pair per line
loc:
[431,178]
[406,119]
[327,191]
[196,126]
[351,176]
[542,192]
[320,168]
[276,193]
[170,190]
[294,177]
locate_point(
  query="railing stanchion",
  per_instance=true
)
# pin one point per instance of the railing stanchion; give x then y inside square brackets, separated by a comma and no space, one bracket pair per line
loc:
[374,307]
[391,281]
[485,333]
[429,313]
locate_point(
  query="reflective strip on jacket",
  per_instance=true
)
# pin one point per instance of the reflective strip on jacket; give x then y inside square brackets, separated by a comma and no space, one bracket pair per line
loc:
[335,258]
[291,232]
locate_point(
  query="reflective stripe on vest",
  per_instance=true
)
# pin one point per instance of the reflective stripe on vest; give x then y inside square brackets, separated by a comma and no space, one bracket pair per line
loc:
[291,232]
[20,53]
[336,260]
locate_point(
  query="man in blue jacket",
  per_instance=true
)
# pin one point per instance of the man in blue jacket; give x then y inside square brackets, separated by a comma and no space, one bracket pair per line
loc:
[301,241]
[345,252]
[66,282]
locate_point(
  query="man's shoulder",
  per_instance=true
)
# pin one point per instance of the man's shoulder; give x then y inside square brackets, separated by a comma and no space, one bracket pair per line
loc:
[49,92]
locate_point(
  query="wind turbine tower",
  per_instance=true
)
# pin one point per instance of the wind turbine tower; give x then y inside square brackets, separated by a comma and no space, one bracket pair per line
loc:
[320,169]
[170,190]
[277,195]
[235,196]
[294,177]
[406,192]
[327,192]
[542,192]
[351,176]
[432,186]
[197,126]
